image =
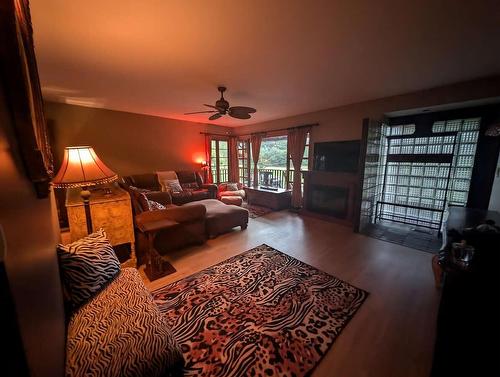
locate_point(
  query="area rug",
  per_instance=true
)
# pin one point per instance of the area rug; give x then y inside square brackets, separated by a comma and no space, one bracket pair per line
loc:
[255,211]
[260,313]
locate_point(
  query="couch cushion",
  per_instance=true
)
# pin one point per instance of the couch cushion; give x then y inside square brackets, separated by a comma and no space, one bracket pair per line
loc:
[161,197]
[186,176]
[121,332]
[87,265]
[221,217]
[146,181]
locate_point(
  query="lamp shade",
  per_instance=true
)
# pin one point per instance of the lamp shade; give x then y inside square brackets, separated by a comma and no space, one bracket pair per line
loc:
[81,167]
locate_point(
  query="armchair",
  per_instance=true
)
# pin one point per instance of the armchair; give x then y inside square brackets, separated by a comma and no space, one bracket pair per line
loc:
[223,191]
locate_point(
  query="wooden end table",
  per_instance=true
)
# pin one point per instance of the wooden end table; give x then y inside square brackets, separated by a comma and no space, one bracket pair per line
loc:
[156,267]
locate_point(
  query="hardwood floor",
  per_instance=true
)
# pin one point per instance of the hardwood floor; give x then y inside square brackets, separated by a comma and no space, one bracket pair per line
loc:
[393,332]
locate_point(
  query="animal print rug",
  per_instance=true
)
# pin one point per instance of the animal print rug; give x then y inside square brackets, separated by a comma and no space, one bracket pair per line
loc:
[260,313]
[255,211]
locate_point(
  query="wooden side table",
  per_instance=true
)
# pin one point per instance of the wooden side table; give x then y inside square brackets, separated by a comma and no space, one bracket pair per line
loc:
[156,267]
[110,211]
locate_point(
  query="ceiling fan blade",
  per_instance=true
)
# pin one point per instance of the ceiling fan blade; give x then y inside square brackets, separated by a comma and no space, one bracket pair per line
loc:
[240,115]
[242,109]
[214,107]
[215,116]
[201,112]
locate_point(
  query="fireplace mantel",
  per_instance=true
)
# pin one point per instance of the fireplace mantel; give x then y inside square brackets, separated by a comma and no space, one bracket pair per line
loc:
[321,179]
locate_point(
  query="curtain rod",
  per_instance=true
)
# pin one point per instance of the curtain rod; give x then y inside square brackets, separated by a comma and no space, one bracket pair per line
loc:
[282,129]
[262,132]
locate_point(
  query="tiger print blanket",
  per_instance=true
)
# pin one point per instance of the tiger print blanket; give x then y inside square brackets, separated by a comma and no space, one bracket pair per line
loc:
[260,313]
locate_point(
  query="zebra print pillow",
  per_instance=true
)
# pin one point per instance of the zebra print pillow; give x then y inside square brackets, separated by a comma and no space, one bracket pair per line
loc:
[87,265]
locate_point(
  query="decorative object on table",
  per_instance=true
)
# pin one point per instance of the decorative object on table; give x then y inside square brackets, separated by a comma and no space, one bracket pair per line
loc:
[287,318]
[255,211]
[82,168]
[222,108]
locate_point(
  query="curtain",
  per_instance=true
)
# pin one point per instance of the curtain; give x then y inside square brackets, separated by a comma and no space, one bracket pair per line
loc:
[234,171]
[208,169]
[256,140]
[296,144]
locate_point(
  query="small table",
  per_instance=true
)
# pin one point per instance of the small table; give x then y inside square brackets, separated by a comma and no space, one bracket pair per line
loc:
[156,267]
[272,198]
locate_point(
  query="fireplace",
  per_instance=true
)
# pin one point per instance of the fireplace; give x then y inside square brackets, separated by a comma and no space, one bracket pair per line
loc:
[328,200]
[331,195]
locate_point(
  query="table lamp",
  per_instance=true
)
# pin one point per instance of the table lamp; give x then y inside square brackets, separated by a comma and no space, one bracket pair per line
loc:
[82,168]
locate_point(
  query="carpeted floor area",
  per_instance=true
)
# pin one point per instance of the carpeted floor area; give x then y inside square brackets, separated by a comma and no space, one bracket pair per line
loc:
[258,313]
[255,211]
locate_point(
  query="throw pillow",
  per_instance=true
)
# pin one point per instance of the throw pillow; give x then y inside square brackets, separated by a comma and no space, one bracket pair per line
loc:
[191,186]
[155,206]
[232,187]
[87,265]
[164,177]
[172,186]
[139,201]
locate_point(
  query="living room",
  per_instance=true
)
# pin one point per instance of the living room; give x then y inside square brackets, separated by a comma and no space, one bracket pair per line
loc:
[159,143]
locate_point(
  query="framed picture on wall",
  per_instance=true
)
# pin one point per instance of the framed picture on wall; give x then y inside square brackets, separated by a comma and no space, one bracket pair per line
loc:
[25,100]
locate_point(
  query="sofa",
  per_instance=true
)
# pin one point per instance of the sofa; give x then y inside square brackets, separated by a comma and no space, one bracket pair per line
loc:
[195,190]
[191,229]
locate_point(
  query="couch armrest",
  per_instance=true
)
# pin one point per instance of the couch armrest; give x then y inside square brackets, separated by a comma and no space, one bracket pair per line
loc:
[178,214]
[212,189]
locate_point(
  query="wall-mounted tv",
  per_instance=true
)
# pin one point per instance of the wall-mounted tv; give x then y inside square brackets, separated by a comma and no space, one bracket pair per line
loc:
[337,156]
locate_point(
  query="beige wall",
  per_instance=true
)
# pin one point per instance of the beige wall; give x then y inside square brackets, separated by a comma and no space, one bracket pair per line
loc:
[31,234]
[129,143]
[345,123]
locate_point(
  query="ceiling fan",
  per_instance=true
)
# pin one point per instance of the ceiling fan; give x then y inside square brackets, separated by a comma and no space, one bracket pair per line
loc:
[222,108]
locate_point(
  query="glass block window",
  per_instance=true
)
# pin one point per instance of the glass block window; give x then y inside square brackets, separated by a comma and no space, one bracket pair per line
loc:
[463,160]
[426,184]
[402,129]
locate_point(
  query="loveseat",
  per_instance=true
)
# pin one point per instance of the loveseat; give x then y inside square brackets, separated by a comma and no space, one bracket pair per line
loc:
[193,186]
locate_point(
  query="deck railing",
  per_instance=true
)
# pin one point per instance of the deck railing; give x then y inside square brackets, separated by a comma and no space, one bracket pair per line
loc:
[277,177]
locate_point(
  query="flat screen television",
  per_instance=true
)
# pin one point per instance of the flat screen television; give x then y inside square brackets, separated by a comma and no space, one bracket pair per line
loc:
[337,156]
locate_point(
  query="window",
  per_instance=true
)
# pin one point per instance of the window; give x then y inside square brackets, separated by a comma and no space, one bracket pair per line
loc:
[304,166]
[219,160]
[273,161]
[244,161]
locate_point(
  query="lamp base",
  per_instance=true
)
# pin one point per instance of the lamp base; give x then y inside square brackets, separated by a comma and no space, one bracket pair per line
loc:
[85,194]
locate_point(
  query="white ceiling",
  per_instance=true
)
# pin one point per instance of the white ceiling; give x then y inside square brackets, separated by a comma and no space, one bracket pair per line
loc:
[283,57]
